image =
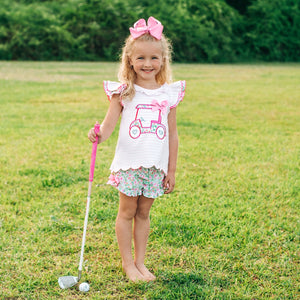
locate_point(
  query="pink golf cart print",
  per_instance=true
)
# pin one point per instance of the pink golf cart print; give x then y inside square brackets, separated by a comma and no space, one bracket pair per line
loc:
[144,122]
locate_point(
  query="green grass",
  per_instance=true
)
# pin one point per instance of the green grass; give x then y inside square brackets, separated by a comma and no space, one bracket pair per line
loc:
[229,231]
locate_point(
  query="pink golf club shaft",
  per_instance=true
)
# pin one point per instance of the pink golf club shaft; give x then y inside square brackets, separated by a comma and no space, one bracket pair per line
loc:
[91,177]
[94,152]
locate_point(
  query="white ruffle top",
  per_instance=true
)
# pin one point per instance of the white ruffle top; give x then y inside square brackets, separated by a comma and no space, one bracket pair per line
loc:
[144,133]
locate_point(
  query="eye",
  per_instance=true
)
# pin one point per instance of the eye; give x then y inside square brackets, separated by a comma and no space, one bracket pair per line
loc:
[140,57]
[154,57]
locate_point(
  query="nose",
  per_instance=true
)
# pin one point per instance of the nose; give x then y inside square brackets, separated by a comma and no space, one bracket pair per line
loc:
[147,62]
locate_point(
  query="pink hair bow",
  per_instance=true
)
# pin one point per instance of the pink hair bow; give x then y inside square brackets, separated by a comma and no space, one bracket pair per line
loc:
[153,27]
[160,106]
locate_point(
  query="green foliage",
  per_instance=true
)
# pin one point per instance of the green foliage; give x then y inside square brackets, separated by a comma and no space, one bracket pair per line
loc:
[273,30]
[205,32]
[201,31]
[99,26]
[239,5]
[33,32]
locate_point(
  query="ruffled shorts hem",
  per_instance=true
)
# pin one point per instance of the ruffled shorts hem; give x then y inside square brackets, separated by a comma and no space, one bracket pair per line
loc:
[142,181]
[148,195]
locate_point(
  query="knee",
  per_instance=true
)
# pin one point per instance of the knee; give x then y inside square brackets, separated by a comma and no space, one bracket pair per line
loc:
[127,213]
[142,214]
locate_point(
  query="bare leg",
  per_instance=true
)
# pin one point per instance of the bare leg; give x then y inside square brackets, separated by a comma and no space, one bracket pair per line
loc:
[127,211]
[141,233]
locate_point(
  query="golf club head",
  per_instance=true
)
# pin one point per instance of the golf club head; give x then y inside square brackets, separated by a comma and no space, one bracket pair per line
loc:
[66,282]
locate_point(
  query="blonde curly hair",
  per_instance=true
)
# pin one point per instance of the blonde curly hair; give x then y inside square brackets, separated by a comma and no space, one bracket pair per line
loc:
[128,76]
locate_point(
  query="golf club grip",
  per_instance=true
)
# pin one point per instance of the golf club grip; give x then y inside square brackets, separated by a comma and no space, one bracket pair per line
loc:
[94,152]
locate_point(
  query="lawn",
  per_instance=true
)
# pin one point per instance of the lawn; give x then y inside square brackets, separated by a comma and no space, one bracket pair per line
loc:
[230,230]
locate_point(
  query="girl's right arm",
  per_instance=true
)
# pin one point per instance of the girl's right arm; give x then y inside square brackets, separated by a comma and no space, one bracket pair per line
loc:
[109,123]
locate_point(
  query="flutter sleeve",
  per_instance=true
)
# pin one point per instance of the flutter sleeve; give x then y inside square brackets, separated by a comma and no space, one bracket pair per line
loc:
[111,88]
[177,91]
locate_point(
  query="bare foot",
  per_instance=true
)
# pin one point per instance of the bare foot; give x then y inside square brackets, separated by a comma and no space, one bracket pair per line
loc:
[148,276]
[133,273]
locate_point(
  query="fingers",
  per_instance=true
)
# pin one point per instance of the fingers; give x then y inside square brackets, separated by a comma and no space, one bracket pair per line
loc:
[169,190]
[92,135]
[169,185]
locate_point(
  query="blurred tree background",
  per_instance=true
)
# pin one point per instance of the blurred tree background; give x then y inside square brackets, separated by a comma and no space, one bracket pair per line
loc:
[201,30]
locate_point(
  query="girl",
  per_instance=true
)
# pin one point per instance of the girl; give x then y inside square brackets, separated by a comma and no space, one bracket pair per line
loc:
[145,159]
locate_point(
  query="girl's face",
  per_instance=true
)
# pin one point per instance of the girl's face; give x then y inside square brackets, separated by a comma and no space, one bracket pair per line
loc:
[146,60]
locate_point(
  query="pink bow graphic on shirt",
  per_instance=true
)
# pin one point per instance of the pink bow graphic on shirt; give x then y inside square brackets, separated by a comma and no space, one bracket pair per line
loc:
[153,27]
[160,106]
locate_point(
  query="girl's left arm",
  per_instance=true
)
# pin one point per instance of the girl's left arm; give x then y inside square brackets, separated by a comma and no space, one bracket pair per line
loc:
[169,182]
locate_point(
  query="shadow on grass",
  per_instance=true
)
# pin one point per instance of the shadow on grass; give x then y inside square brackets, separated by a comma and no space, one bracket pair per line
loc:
[170,285]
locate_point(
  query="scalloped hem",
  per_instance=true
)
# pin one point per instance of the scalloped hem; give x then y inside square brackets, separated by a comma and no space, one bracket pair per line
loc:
[136,167]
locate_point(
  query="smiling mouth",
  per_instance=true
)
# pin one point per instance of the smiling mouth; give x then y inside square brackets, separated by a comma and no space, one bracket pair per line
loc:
[147,71]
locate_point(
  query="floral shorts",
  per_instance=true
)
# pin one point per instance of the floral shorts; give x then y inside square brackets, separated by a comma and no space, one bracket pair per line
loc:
[142,181]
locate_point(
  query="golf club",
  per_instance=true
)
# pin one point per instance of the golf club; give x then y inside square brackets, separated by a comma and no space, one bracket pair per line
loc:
[69,281]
